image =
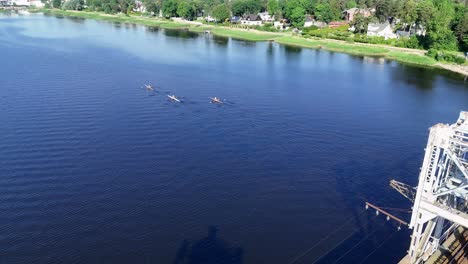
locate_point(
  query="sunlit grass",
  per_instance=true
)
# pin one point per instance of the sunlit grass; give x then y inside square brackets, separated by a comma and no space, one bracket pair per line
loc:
[241,34]
[411,58]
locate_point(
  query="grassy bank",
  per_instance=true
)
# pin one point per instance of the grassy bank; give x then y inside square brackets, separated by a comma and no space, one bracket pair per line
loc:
[358,49]
[163,23]
[397,54]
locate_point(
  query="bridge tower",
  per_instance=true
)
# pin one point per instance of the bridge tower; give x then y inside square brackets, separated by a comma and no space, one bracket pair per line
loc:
[441,200]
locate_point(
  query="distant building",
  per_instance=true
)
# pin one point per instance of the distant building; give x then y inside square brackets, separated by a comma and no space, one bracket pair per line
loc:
[283,24]
[335,24]
[139,7]
[265,17]
[251,20]
[235,19]
[403,34]
[308,21]
[381,30]
[210,19]
[36,3]
[351,13]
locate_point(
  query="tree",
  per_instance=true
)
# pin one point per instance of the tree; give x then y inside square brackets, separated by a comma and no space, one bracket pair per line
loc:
[169,8]
[242,7]
[273,7]
[461,32]
[360,24]
[73,5]
[350,4]
[152,6]
[56,3]
[444,39]
[323,12]
[383,9]
[221,12]
[298,17]
[186,10]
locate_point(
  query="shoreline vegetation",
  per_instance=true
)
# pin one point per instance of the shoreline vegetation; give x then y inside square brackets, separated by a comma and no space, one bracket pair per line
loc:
[403,55]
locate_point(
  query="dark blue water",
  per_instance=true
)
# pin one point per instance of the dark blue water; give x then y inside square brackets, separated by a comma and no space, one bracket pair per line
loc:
[94,169]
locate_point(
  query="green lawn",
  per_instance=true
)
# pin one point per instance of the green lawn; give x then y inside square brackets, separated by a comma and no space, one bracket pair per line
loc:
[411,58]
[242,34]
[333,46]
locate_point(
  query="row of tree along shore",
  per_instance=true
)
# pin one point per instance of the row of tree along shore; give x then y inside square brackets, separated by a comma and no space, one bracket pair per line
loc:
[428,24]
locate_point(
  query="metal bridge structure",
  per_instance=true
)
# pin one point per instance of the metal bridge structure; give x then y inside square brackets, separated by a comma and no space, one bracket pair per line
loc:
[440,201]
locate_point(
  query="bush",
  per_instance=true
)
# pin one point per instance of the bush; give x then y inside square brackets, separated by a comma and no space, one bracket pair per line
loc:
[446,56]
[311,28]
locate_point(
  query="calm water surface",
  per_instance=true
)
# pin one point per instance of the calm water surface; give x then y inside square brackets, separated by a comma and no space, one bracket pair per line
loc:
[94,169]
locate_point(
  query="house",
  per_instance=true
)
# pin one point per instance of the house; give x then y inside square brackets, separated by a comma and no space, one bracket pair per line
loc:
[265,17]
[235,19]
[283,24]
[19,2]
[308,21]
[381,30]
[336,24]
[139,7]
[251,20]
[351,13]
[403,34]
[210,19]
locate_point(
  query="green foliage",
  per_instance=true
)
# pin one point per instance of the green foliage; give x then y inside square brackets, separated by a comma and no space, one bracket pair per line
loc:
[351,4]
[73,5]
[446,56]
[360,24]
[152,6]
[243,7]
[298,17]
[221,12]
[460,27]
[383,10]
[340,33]
[327,13]
[273,7]
[444,39]
[425,11]
[186,9]
[169,8]
[56,3]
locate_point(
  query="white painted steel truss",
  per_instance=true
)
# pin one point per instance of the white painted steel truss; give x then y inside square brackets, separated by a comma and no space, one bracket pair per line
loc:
[442,194]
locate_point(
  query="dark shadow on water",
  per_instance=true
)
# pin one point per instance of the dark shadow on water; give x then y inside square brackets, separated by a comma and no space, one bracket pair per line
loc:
[152,29]
[181,33]
[220,41]
[77,20]
[208,250]
[292,49]
[418,77]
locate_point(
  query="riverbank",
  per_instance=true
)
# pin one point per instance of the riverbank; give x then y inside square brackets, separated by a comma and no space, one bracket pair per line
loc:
[404,55]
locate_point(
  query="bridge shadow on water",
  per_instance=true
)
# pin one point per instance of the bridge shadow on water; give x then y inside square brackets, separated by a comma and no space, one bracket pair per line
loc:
[208,250]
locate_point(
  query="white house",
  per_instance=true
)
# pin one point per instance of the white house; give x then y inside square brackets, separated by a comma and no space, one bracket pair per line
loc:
[308,21]
[36,3]
[265,17]
[210,19]
[139,6]
[251,20]
[381,30]
[20,2]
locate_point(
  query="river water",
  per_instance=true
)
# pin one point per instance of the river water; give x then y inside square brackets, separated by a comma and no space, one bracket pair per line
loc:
[95,169]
